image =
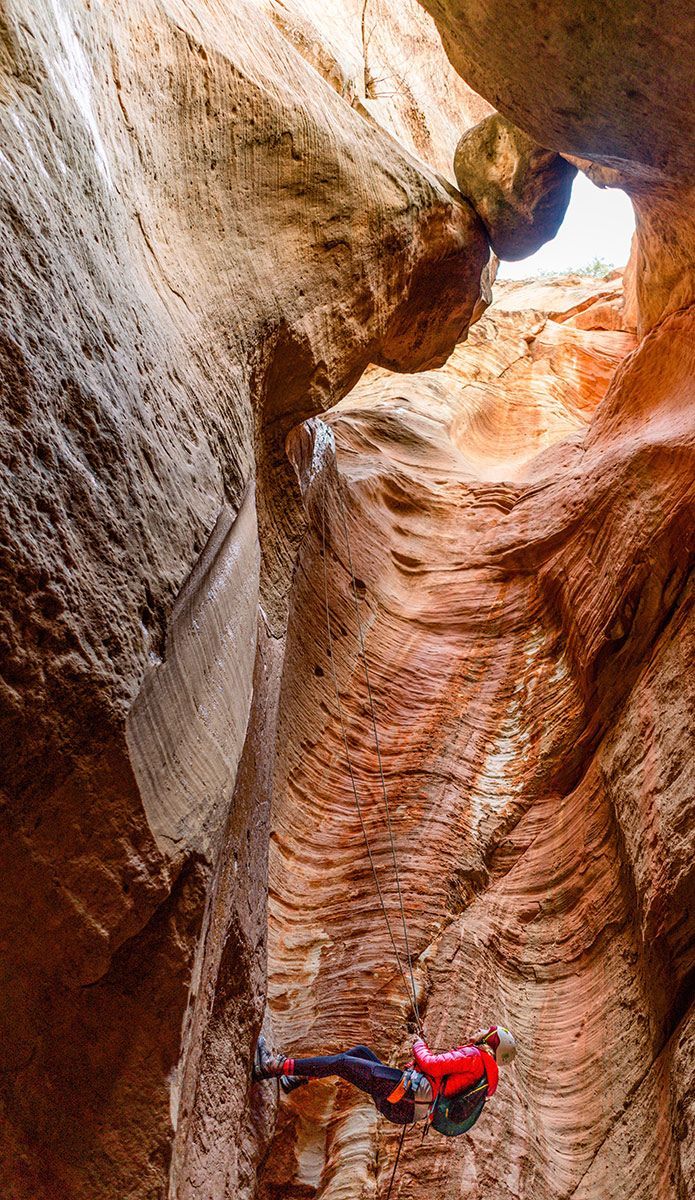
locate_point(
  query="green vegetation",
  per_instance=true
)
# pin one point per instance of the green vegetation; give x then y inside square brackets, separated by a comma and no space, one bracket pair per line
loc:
[598,267]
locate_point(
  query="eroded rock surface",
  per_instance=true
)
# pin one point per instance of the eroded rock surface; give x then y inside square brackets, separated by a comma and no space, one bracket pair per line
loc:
[215,218]
[602,81]
[385,59]
[203,243]
[518,525]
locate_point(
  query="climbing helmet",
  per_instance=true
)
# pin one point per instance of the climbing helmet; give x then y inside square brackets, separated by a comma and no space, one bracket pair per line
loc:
[500,1040]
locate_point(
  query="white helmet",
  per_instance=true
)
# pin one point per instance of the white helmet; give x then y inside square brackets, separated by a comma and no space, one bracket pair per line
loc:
[498,1039]
[506,1051]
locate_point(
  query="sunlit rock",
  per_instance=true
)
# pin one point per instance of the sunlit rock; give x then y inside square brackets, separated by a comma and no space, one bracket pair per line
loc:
[517,525]
[609,87]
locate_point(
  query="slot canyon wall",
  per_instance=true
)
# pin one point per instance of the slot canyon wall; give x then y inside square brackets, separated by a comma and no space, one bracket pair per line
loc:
[222,218]
[537,772]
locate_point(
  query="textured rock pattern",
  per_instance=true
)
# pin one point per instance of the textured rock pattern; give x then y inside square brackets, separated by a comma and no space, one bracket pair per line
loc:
[209,232]
[520,525]
[386,60]
[605,82]
[203,243]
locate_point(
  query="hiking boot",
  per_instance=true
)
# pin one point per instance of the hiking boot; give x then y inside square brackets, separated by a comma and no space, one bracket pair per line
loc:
[288,1083]
[267,1065]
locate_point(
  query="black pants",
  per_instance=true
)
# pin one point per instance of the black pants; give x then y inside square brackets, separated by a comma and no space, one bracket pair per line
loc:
[362,1067]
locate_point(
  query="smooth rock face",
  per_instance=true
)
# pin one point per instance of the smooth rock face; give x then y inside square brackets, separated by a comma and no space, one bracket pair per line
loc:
[610,87]
[519,190]
[606,81]
[519,526]
[187,727]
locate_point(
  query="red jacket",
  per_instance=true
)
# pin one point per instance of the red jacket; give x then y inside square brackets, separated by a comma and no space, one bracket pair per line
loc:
[463,1067]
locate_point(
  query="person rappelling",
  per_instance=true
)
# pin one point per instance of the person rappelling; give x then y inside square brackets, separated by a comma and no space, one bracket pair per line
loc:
[448,1090]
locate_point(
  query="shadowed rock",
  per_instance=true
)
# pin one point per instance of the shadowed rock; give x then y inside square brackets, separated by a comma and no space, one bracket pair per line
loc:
[610,86]
[519,190]
[202,244]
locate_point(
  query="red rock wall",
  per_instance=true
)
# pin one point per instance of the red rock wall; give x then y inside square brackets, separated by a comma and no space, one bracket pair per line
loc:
[202,244]
[521,544]
[215,217]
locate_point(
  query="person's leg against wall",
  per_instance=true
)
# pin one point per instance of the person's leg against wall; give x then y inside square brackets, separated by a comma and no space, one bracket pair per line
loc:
[364,1052]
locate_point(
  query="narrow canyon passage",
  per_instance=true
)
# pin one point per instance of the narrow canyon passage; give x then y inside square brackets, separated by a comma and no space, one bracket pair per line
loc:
[472,495]
[247,295]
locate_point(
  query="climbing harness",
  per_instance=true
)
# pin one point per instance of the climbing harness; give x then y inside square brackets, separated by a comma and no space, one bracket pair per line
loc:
[409,983]
[412,1081]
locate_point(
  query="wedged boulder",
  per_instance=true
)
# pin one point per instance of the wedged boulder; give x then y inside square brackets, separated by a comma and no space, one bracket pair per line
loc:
[610,86]
[519,190]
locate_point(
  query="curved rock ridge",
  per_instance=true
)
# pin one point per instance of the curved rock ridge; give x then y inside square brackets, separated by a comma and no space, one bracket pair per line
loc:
[203,244]
[529,375]
[386,60]
[523,592]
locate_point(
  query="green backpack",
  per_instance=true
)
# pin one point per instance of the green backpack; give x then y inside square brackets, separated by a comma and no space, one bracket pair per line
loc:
[454,1115]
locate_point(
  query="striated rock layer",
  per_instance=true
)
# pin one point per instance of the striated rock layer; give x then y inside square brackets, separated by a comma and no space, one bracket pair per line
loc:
[519,526]
[216,214]
[203,244]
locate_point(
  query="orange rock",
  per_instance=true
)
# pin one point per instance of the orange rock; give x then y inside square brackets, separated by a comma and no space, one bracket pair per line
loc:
[519,525]
[203,244]
[613,95]
[220,220]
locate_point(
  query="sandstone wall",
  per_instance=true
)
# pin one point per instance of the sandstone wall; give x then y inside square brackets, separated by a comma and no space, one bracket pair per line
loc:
[518,522]
[216,214]
[386,60]
[203,244]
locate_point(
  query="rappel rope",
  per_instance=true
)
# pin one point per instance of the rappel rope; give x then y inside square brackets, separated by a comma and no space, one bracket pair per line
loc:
[395,1165]
[346,746]
[409,984]
[372,711]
